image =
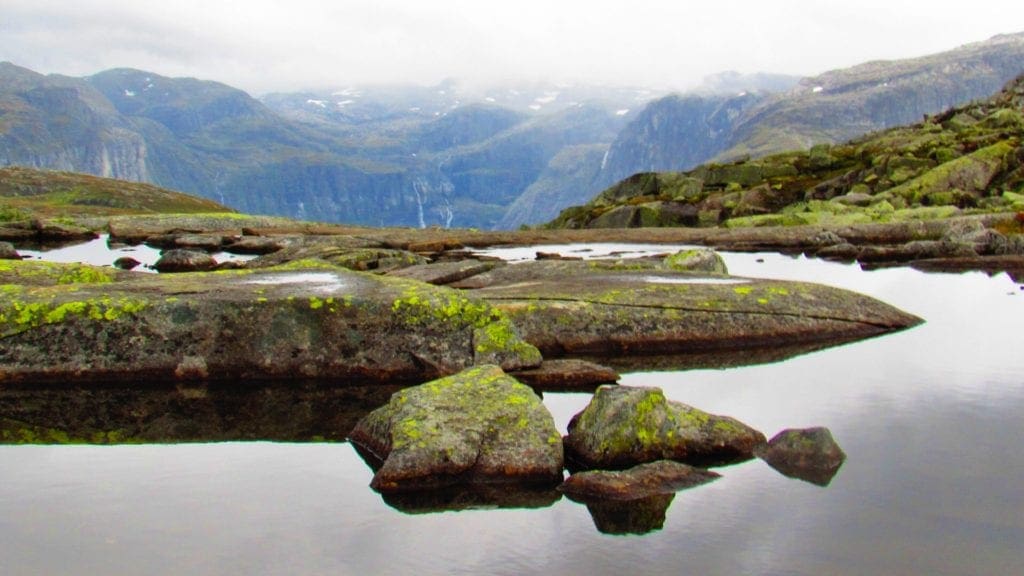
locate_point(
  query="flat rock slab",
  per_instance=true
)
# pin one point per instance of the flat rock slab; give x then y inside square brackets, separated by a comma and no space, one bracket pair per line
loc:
[72,323]
[478,426]
[609,312]
[443,273]
[642,481]
[567,374]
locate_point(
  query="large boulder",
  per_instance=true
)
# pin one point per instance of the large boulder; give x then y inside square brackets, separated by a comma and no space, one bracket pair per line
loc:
[478,426]
[624,426]
[71,323]
[810,454]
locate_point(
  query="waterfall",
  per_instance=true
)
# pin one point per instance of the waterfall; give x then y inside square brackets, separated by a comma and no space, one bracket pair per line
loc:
[604,159]
[420,188]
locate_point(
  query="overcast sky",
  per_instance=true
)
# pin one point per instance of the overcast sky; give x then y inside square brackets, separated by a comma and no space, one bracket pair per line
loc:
[265,45]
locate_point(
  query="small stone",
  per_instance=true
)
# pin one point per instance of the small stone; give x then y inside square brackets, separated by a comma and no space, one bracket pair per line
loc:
[185,261]
[809,454]
[126,263]
[7,252]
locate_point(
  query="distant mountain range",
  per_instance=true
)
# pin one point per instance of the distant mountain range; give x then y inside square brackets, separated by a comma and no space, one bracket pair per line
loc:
[449,155]
[679,132]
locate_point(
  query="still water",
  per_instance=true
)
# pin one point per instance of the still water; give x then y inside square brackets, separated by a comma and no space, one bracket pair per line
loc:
[930,420]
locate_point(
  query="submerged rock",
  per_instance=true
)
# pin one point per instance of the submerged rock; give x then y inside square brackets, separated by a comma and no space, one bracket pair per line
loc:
[624,426]
[478,426]
[810,454]
[86,323]
[180,260]
[640,516]
[660,477]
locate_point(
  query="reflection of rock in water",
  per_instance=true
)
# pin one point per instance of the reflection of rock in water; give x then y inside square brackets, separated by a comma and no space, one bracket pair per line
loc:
[809,454]
[630,516]
[473,496]
[294,412]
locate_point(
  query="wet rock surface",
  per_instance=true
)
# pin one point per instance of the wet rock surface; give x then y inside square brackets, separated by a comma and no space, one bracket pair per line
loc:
[642,481]
[478,426]
[624,426]
[567,374]
[809,454]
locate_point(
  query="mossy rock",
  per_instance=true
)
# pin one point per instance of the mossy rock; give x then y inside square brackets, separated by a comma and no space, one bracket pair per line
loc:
[624,426]
[478,426]
[628,312]
[696,260]
[281,324]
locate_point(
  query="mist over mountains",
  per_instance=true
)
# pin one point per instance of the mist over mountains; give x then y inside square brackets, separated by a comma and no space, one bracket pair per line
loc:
[448,155]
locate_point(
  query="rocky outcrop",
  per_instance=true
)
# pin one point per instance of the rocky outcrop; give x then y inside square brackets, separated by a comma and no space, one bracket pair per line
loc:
[625,426]
[641,481]
[292,323]
[957,163]
[478,426]
[565,307]
[810,454]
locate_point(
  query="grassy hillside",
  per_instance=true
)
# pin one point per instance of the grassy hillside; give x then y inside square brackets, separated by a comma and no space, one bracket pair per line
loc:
[26,192]
[967,159]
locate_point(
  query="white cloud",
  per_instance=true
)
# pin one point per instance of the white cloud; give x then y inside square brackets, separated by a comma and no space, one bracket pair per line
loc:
[262,45]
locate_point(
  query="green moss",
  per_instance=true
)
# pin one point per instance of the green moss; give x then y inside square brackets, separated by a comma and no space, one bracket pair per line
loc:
[34,272]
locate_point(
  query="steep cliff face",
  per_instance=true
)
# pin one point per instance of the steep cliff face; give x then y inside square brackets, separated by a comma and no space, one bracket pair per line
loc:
[61,123]
[676,131]
[679,133]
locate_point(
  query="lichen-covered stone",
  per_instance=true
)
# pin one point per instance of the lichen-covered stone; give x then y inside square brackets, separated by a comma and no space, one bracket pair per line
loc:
[810,454]
[478,426]
[600,310]
[696,260]
[624,426]
[67,323]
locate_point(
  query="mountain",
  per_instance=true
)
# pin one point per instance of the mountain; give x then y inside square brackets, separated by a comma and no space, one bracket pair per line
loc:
[968,159]
[681,132]
[452,154]
[412,156]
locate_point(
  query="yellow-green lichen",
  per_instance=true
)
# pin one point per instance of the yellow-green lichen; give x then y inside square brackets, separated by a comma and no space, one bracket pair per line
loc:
[17,316]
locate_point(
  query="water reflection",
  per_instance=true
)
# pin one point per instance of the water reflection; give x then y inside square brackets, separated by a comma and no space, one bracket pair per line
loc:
[640,516]
[293,412]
